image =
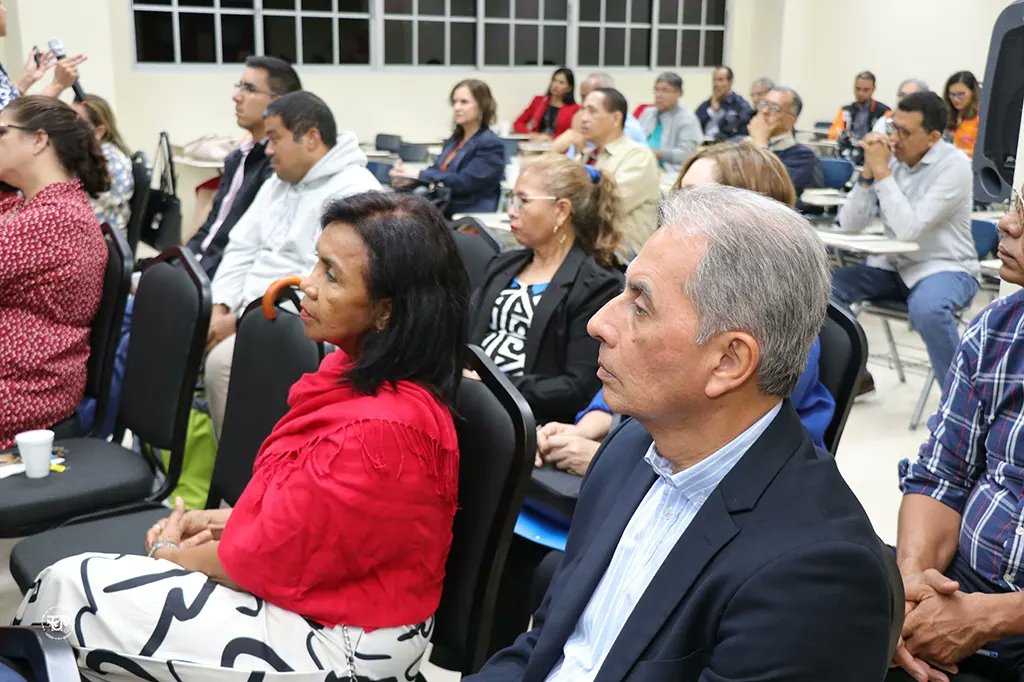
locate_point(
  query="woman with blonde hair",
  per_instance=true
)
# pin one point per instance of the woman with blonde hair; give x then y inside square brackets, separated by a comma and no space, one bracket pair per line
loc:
[113,206]
[739,164]
[530,314]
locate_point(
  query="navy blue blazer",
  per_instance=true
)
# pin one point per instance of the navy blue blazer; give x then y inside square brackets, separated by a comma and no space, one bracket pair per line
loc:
[474,175]
[779,576]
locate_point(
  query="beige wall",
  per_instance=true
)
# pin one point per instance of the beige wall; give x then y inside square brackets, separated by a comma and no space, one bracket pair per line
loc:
[813,45]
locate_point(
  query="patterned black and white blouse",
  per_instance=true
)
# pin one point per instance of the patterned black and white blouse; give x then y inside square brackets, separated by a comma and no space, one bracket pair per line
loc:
[511,318]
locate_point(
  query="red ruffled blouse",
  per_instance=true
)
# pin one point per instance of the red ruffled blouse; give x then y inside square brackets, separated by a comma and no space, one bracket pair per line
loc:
[348,516]
[52,259]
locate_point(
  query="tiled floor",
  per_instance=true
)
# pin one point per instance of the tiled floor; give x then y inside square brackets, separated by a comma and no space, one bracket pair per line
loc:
[876,438]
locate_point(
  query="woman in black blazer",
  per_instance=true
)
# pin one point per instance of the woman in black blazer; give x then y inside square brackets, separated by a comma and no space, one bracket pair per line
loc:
[530,315]
[472,161]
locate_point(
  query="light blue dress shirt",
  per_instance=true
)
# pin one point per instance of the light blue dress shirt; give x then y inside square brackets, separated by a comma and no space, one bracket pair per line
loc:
[656,526]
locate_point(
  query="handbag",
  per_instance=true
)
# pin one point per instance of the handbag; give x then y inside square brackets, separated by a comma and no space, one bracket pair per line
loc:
[436,193]
[161,225]
[209,148]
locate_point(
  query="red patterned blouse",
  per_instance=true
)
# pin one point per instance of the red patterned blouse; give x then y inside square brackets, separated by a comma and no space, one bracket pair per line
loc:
[52,259]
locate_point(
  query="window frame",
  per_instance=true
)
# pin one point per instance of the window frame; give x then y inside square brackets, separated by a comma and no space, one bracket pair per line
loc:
[376,17]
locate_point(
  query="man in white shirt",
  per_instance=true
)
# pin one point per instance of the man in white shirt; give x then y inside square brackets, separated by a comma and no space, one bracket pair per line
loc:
[922,188]
[711,541]
[276,237]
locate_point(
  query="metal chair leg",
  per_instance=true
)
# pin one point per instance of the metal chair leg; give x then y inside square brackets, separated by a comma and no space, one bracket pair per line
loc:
[893,353]
[915,418]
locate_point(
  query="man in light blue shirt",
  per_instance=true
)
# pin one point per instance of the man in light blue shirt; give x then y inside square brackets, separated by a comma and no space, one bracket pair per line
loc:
[711,541]
[672,131]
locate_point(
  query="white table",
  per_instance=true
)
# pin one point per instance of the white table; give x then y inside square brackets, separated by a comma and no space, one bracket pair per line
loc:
[872,244]
[823,197]
[990,267]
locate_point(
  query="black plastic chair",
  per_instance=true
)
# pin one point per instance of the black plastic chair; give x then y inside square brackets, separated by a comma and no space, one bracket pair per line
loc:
[476,252]
[271,353]
[168,336]
[511,148]
[472,226]
[35,656]
[413,153]
[142,175]
[380,170]
[388,143]
[497,443]
[844,354]
[104,335]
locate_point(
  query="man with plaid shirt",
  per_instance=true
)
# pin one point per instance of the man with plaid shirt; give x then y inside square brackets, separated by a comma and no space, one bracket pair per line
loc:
[960,544]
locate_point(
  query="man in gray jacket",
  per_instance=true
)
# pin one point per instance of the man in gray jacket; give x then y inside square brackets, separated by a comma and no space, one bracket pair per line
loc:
[672,132]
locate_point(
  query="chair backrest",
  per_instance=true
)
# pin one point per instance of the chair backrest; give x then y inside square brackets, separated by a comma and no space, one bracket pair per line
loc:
[380,171]
[497,443]
[844,354]
[270,355]
[388,143]
[475,252]
[511,148]
[836,172]
[170,318]
[106,326]
[47,658]
[472,226]
[414,153]
[142,175]
[986,237]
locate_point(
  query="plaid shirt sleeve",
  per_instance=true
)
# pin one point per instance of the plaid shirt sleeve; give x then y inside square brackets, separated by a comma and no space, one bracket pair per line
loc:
[952,460]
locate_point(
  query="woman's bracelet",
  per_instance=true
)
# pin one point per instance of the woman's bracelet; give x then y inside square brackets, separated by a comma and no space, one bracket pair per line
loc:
[160,544]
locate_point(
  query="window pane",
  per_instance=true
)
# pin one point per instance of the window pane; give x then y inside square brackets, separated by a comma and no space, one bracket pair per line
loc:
[196,3]
[669,12]
[238,36]
[555,9]
[691,11]
[318,5]
[432,7]
[398,42]
[317,41]
[615,47]
[240,4]
[526,45]
[713,43]
[197,38]
[641,12]
[351,5]
[463,44]
[431,45]
[639,47]
[499,9]
[279,38]
[690,55]
[590,49]
[666,47]
[527,9]
[398,6]
[353,41]
[554,45]
[590,10]
[154,36]
[496,44]
[278,4]
[615,10]
[154,2]
[463,8]
[716,12]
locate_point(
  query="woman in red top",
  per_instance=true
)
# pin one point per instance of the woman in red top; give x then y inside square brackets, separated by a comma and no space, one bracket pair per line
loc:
[550,115]
[52,259]
[331,564]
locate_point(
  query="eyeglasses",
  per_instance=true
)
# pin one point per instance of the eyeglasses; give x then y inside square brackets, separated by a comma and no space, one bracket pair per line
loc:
[893,129]
[1017,205]
[770,107]
[517,201]
[250,89]
[958,95]
[4,127]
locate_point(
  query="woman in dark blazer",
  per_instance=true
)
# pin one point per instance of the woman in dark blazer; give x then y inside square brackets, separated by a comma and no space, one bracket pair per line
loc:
[530,315]
[550,115]
[472,161]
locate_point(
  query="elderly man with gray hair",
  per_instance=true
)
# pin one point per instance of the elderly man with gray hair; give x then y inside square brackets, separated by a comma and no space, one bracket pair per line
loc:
[671,131]
[711,541]
[907,87]
[773,127]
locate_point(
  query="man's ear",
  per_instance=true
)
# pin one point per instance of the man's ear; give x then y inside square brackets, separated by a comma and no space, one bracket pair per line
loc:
[735,357]
[312,139]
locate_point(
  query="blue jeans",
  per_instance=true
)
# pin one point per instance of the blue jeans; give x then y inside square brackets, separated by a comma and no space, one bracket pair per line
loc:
[932,304]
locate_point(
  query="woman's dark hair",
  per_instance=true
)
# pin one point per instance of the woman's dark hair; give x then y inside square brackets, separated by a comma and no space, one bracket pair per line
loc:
[72,138]
[569,97]
[302,111]
[932,108]
[971,110]
[100,114]
[414,263]
[481,93]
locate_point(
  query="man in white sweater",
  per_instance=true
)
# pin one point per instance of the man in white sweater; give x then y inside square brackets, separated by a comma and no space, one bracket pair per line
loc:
[276,237]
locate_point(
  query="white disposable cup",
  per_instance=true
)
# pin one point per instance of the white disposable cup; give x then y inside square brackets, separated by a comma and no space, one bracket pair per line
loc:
[34,448]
